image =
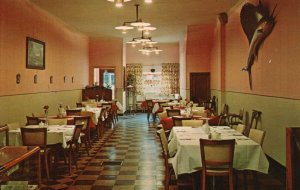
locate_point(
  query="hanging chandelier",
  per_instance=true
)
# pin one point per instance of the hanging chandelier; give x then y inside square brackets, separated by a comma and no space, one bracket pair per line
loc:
[146,50]
[138,23]
[119,3]
[142,40]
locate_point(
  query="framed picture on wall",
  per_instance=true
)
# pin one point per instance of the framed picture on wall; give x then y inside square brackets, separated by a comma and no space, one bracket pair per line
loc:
[35,54]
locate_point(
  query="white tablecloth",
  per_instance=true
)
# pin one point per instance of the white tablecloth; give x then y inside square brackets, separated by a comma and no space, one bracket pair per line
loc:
[96,113]
[55,134]
[185,146]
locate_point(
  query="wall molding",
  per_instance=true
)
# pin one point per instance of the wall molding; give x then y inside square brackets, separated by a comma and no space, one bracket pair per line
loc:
[262,95]
[54,91]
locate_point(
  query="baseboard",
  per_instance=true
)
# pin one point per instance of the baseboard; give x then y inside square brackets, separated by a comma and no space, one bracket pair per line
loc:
[277,170]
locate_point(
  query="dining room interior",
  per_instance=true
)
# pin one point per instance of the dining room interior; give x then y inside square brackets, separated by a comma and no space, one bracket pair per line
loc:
[141,94]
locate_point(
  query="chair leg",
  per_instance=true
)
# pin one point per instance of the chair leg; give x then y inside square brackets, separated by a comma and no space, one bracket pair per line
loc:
[46,165]
[203,181]
[70,162]
[231,186]
[245,179]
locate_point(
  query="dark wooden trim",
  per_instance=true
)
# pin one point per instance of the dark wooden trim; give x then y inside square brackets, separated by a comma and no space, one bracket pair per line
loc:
[281,97]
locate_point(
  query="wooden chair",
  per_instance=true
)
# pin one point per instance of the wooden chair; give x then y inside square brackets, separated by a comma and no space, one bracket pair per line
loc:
[257,136]
[57,121]
[256,116]
[37,137]
[240,128]
[173,112]
[167,159]
[32,120]
[168,163]
[73,147]
[235,119]
[73,112]
[79,104]
[150,105]
[177,121]
[85,137]
[100,127]
[5,129]
[217,159]
[192,123]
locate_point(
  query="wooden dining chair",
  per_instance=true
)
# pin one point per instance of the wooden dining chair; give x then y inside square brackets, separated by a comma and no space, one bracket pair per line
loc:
[240,128]
[73,147]
[177,121]
[255,117]
[258,136]
[173,112]
[32,120]
[79,104]
[37,137]
[166,156]
[57,121]
[235,119]
[4,129]
[217,159]
[85,136]
[73,112]
[192,123]
[100,127]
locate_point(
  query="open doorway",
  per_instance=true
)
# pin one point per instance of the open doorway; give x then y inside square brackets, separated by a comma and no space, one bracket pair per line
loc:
[105,77]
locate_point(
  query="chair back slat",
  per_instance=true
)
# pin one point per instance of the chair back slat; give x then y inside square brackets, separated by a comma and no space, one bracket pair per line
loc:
[32,120]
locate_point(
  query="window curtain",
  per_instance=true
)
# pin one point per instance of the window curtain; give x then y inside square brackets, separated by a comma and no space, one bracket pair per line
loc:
[170,78]
[134,77]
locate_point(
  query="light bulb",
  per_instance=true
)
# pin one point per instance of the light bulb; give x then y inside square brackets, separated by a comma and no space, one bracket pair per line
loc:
[124,31]
[148,1]
[119,5]
[133,45]
[146,32]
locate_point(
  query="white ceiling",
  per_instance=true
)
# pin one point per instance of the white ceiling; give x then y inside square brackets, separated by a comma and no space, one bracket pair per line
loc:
[97,18]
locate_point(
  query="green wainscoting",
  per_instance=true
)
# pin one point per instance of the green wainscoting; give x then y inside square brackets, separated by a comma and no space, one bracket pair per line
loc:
[277,114]
[14,108]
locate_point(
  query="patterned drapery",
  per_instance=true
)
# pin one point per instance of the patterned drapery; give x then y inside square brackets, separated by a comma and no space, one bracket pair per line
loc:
[134,77]
[170,78]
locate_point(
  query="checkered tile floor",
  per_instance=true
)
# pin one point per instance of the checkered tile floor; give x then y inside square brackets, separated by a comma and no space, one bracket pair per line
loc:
[129,157]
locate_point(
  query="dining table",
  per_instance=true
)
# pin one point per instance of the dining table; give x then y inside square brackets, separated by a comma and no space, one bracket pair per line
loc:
[56,134]
[184,147]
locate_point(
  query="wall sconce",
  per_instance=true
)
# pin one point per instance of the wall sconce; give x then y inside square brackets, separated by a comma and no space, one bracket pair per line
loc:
[51,79]
[35,79]
[72,79]
[18,78]
[65,79]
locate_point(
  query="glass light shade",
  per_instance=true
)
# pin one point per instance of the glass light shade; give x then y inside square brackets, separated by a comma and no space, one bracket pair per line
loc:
[143,40]
[151,42]
[149,28]
[123,27]
[140,24]
[148,1]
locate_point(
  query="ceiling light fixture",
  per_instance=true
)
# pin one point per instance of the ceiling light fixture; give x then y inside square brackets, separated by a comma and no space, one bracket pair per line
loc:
[143,40]
[146,50]
[138,23]
[119,3]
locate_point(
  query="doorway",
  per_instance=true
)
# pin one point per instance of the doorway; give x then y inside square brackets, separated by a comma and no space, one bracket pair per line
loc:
[199,86]
[105,77]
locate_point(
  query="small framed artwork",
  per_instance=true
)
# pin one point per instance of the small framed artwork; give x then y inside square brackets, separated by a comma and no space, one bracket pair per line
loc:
[35,54]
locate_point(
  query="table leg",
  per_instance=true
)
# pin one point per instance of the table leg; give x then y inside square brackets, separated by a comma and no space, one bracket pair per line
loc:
[39,177]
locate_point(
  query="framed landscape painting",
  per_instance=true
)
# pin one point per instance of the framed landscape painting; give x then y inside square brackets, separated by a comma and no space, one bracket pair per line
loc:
[35,54]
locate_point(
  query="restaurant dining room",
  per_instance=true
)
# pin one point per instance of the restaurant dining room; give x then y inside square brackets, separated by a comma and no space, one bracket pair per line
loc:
[149,95]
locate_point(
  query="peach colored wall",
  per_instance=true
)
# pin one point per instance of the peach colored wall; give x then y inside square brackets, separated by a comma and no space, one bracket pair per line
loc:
[276,71]
[66,51]
[170,54]
[104,53]
[215,67]
[198,49]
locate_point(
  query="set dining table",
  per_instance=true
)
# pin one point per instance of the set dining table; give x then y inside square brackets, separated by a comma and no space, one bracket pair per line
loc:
[56,134]
[184,146]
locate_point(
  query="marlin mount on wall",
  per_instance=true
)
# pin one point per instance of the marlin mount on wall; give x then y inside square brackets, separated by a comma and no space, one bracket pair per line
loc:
[257,23]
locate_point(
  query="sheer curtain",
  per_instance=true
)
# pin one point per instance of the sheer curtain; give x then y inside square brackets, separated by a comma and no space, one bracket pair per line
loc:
[170,78]
[134,77]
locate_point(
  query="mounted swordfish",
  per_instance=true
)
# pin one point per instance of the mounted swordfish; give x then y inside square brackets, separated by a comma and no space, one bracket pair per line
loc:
[261,28]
